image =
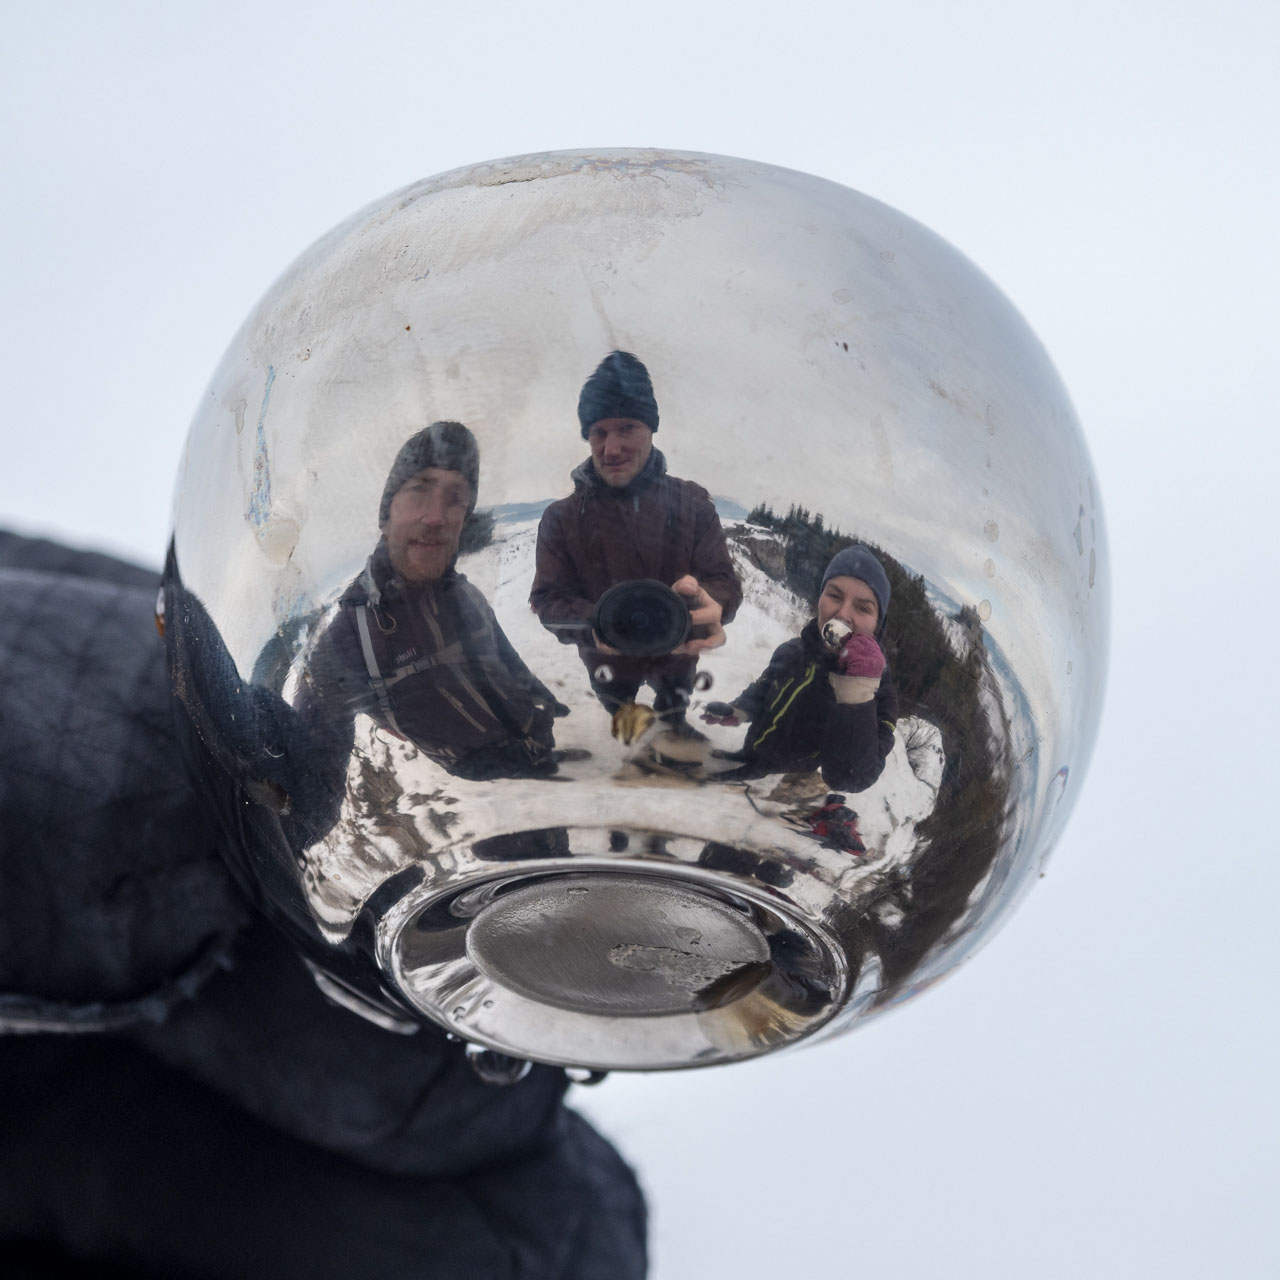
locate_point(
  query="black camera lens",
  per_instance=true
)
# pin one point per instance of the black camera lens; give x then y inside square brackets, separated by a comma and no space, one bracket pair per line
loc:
[643,618]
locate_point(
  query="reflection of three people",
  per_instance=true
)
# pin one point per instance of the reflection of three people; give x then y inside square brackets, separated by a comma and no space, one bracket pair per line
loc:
[419,649]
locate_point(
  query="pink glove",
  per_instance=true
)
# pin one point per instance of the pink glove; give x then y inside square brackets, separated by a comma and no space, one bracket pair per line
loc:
[860,656]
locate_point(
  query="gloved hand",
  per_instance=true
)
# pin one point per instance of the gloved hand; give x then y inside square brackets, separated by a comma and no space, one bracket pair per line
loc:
[119,915]
[723,713]
[859,665]
[860,655]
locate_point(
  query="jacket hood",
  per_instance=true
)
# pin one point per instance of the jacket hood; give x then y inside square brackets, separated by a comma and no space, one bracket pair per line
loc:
[586,477]
[378,579]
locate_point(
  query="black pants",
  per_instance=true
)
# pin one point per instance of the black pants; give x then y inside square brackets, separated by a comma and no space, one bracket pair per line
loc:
[672,687]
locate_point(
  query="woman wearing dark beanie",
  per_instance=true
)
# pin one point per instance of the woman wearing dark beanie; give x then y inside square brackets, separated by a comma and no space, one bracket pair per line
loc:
[826,701]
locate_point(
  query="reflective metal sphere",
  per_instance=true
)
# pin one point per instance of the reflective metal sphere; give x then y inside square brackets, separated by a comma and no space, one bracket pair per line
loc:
[431,768]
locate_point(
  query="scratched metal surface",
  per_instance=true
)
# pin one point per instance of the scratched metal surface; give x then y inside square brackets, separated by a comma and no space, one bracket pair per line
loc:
[809,346]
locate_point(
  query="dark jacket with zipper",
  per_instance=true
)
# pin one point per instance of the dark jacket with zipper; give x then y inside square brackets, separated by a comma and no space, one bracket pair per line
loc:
[656,527]
[430,662]
[797,725]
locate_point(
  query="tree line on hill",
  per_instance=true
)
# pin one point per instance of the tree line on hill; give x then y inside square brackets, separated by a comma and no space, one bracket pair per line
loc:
[944,684]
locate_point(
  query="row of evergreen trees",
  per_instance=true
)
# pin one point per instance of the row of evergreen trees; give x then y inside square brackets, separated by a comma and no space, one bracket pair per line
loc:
[478,530]
[808,545]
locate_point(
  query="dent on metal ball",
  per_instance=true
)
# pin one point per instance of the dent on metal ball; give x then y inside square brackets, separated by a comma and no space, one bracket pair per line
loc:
[769,406]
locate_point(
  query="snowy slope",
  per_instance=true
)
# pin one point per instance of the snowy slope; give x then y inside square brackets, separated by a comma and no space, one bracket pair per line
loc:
[770,615]
[400,803]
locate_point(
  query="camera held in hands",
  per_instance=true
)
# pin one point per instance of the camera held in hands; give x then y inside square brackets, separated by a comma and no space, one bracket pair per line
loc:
[643,618]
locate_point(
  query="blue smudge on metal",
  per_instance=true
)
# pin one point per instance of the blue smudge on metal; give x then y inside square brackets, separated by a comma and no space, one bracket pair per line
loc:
[260,499]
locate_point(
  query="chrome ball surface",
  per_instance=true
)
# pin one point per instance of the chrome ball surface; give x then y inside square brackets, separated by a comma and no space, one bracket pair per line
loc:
[467,811]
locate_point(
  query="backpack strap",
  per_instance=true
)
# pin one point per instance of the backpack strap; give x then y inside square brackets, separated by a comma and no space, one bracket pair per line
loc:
[382,685]
[376,681]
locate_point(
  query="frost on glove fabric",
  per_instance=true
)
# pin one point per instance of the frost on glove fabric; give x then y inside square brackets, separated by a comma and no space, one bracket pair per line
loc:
[235,1123]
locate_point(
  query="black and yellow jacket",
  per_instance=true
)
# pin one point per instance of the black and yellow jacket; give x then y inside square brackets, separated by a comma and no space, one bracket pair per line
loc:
[797,724]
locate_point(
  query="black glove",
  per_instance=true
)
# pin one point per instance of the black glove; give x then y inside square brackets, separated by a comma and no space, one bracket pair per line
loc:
[723,713]
[118,914]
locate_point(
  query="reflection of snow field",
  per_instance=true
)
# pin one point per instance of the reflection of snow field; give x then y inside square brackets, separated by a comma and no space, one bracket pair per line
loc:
[504,570]
[769,615]
[400,804]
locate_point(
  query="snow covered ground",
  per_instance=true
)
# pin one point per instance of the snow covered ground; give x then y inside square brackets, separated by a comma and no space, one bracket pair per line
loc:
[394,789]
[770,615]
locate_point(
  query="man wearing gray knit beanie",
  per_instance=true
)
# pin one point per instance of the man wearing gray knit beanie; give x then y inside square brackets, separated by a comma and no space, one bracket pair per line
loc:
[416,646]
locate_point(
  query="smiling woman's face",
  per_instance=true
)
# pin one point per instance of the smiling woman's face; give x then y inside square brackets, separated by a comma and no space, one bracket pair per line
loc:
[850,600]
[425,522]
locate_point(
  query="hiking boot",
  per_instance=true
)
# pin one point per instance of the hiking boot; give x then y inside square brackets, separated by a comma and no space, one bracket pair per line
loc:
[836,825]
[681,728]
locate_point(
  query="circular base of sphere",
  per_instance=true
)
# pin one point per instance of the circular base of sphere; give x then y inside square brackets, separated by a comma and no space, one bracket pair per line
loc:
[634,965]
[615,945]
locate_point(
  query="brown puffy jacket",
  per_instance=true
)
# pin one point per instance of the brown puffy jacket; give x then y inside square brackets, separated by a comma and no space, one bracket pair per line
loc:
[656,527]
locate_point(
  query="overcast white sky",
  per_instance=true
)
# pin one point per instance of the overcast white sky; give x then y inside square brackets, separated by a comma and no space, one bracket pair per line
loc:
[1095,1093]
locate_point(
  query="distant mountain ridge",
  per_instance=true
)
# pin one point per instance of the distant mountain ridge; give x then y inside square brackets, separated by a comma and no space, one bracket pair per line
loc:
[518,512]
